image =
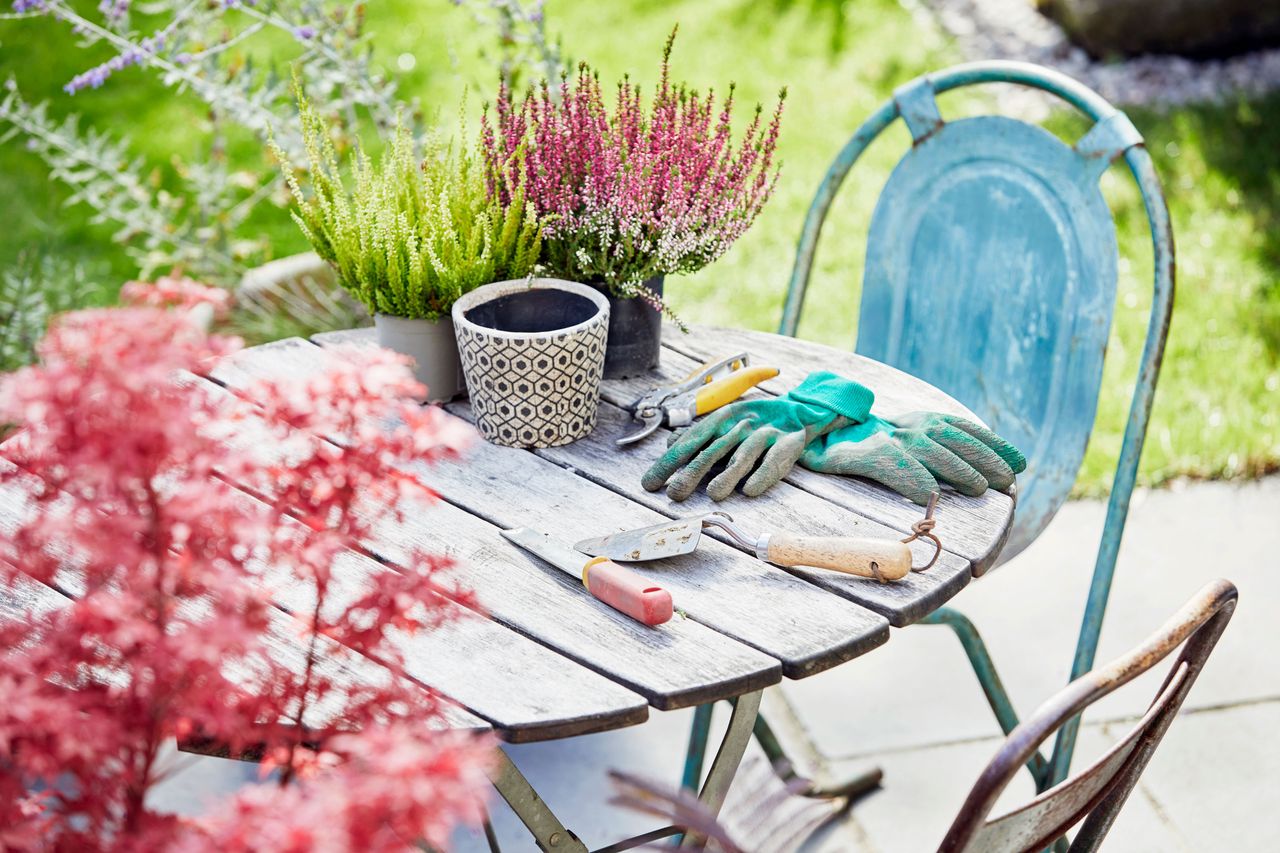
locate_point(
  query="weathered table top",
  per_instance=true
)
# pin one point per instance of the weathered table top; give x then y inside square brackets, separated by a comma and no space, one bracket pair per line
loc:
[546,660]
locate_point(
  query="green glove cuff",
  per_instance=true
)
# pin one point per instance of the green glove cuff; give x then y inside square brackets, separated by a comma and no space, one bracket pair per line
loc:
[840,395]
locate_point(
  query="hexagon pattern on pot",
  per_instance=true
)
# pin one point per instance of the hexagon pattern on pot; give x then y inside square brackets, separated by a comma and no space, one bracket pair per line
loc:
[539,391]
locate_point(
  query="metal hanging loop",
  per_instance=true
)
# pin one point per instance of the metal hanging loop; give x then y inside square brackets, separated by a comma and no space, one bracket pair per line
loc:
[923,529]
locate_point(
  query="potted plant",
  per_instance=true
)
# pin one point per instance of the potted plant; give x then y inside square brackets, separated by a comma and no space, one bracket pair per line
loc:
[412,235]
[630,194]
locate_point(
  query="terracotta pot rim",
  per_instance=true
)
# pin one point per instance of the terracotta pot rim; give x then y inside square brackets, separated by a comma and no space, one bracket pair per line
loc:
[488,292]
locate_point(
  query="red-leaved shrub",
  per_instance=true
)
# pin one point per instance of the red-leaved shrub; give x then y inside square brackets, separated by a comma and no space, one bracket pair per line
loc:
[117,491]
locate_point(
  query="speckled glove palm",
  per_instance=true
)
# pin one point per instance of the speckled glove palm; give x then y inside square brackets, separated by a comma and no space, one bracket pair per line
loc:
[776,429]
[914,452]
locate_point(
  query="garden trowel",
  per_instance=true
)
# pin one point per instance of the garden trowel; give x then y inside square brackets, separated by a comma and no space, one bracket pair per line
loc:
[882,559]
[620,588]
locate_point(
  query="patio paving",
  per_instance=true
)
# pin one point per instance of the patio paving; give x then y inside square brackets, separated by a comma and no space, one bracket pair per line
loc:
[914,709]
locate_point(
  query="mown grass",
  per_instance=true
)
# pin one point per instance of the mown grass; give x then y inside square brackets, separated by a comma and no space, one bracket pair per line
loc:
[1216,411]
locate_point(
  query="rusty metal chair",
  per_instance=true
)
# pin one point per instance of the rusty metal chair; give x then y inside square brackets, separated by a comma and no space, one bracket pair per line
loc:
[991,273]
[1093,796]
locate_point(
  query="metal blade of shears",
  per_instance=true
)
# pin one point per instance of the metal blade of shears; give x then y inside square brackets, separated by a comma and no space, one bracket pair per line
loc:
[651,420]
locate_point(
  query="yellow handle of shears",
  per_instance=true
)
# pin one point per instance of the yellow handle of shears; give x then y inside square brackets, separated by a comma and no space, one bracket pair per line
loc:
[724,391]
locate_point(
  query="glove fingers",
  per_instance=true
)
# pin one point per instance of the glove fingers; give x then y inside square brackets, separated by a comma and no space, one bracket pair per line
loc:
[1011,455]
[882,460]
[947,467]
[684,481]
[777,463]
[680,451]
[740,464]
[905,475]
[982,458]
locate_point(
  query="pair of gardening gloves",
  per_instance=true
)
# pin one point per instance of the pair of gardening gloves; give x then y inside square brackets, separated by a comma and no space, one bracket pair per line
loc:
[826,425]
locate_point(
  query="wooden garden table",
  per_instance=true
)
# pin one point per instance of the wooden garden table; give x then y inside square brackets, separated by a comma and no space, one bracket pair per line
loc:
[549,661]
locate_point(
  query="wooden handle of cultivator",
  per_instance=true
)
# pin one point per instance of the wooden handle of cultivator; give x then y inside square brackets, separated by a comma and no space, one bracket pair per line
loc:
[881,559]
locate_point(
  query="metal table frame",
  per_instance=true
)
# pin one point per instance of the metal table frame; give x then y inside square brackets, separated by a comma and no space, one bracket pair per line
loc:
[552,836]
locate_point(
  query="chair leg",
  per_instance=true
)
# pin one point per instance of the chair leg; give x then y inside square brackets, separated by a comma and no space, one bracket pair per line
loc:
[849,790]
[985,669]
[696,752]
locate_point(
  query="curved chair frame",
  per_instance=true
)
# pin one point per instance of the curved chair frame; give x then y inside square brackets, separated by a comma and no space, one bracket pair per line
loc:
[1095,794]
[1112,137]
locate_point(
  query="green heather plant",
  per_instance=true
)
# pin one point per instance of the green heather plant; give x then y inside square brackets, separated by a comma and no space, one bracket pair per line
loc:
[411,235]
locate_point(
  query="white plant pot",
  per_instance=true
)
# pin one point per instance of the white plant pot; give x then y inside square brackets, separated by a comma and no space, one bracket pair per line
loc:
[533,353]
[434,350]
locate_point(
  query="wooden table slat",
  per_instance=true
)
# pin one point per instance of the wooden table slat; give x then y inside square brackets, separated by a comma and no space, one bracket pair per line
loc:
[283,638]
[805,628]
[782,508]
[526,690]
[785,507]
[678,664]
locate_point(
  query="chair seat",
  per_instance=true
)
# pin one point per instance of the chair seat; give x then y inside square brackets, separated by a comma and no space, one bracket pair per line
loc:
[991,273]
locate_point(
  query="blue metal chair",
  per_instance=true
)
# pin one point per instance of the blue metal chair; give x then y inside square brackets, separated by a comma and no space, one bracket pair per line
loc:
[991,273]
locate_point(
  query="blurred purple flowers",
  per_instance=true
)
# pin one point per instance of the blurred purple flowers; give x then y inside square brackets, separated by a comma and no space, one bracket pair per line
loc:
[114,10]
[96,76]
[633,193]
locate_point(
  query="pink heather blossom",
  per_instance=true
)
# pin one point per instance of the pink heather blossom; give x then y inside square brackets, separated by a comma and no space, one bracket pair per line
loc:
[632,192]
[121,477]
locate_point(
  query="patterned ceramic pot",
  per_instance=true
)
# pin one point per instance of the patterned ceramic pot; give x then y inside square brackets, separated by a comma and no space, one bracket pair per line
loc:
[533,353]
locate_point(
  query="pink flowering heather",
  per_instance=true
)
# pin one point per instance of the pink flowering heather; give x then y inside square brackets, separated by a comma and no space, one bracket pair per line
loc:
[631,192]
[116,491]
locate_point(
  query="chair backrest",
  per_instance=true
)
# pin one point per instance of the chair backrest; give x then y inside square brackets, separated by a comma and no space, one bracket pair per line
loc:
[1093,795]
[991,273]
[991,270]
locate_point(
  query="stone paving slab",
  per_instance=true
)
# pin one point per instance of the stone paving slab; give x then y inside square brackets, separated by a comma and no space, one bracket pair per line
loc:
[924,789]
[1215,777]
[920,689]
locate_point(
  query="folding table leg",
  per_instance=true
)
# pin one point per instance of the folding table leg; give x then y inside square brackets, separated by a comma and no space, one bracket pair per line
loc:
[547,830]
[989,679]
[552,836]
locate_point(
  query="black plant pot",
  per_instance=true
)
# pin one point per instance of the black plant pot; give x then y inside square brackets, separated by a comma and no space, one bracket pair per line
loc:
[635,334]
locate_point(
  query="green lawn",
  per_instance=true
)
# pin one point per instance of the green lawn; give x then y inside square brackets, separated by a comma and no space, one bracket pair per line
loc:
[1216,412]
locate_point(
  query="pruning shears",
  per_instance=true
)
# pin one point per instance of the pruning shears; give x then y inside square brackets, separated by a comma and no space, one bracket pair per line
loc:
[711,385]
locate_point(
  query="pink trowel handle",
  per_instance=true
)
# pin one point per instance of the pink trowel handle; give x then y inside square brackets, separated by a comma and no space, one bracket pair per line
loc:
[627,592]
